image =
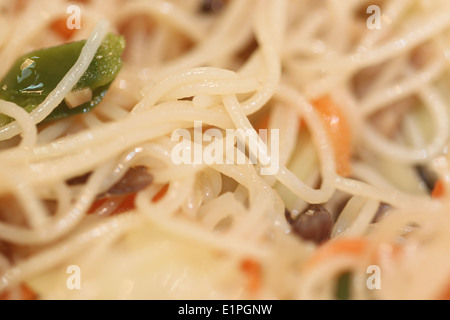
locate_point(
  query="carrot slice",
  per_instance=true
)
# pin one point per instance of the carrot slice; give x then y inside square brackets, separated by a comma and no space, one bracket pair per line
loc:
[60,27]
[438,190]
[263,123]
[344,246]
[338,131]
[355,247]
[445,295]
[25,293]
[161,193]
[128,201]
[127,204]
[253,271]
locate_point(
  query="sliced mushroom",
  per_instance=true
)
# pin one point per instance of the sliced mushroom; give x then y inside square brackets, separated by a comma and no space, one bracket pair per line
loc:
[136,179]
[314,224]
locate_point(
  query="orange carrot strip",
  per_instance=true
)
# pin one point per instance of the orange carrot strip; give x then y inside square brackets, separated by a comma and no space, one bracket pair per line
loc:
[263,122]
[161,193]
[60,27]
[253,271]
[25,294]
[338,131]
[344,246]
[438,190]
[445,295]
[126,205]
[97,204]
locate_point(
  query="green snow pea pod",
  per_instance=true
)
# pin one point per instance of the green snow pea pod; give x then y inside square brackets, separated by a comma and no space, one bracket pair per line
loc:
[34,75]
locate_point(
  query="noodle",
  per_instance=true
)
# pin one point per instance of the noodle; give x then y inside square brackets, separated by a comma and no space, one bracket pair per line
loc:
[282,90]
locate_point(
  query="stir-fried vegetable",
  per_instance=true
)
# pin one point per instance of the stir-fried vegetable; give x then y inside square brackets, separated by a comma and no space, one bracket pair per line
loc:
[338,131]
[314,224]
[343,286]
[343,246]
[22,292]
[34,75]
[438,190]
[253,271]
[123,192]
[340,247]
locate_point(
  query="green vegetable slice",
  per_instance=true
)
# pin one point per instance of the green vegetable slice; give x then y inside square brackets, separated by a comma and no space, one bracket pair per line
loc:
[343,286]
[34,75]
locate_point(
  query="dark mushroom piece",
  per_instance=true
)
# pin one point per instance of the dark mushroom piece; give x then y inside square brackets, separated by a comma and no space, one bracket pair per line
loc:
[314,224]
[212,6]
[136,179]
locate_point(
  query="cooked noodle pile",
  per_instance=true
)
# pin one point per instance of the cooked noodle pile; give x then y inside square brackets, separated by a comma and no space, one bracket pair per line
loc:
[363,118]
